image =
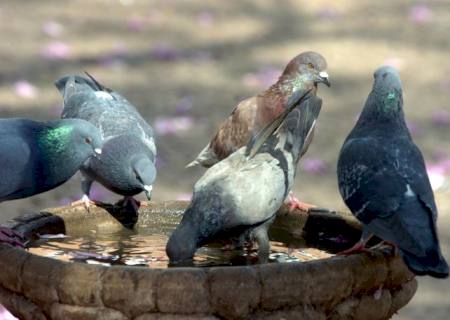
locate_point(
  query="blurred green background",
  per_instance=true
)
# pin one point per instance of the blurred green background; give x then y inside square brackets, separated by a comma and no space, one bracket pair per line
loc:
[185,64]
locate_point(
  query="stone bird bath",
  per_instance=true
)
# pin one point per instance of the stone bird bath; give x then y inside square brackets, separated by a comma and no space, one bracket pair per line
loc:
[362,286]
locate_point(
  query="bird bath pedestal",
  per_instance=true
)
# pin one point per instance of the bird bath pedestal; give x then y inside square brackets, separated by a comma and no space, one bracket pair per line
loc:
[361,286]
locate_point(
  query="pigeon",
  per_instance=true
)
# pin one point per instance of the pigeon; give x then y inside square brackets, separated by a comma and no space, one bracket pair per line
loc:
[383,180]
[40,156]
[127,164]
[303,72]
[241,194]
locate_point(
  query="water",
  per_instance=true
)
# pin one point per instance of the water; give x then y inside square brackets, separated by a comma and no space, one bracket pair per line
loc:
[126,247]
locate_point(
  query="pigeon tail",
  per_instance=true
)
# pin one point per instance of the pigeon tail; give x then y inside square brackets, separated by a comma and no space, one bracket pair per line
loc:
[207,158]
[432,264]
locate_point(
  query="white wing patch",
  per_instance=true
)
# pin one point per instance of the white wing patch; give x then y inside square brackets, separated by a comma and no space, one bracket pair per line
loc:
[103,95]
[409,193]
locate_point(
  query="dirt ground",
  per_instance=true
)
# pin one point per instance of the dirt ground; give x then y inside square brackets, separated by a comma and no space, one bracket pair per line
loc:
[185,65]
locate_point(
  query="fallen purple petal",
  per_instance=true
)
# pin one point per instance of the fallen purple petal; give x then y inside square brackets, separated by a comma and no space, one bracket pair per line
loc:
[205,19]
[420,14]
[165,52]
[328,13]
[441,118]
[263,78]
[56,51]
[136,24]
[52,29]
[172,125]
[314,166]
[25,89]
[183,105]
[414,128]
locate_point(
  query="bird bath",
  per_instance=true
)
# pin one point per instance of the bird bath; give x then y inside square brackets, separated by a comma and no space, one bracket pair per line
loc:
[124,272]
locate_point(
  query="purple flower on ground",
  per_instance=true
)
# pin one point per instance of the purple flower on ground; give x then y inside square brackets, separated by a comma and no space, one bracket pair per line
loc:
[314,165]
[135,24]
[328,13]
[262,78]
[183,105]
[420,14]
[414,128]
[441,118]
[118,53]
[436,174]
[52,29]
[25,89]
[165,52]
[205,18]
[56,51]
[172,125]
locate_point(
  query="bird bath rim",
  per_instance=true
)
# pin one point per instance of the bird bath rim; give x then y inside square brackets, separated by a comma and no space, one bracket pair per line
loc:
[301,289]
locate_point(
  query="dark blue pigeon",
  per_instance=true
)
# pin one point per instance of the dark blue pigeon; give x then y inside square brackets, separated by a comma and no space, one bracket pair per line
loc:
[242,193]
[126,165]
[383,180]
[38,156]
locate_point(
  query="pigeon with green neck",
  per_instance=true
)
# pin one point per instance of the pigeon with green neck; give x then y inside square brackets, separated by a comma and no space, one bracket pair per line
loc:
[127,164]
[304,72]
[383,180]
[40,156]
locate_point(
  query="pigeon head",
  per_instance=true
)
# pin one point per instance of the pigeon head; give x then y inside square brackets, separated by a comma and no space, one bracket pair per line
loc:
[387,89]
[125,166]
[61,135]
[144,173]
[182,243]
[306,70]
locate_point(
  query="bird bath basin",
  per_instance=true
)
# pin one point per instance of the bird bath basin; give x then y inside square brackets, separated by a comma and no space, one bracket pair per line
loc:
[113,266]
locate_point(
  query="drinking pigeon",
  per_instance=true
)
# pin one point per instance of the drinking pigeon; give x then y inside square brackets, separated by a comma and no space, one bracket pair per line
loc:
[243,192]
[39,156]
[383,180]
[127,164]
[303,72]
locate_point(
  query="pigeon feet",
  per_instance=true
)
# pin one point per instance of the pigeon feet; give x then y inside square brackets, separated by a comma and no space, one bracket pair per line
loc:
[384,244]
[85,201]
[12,237]
[294,203]
[359,247]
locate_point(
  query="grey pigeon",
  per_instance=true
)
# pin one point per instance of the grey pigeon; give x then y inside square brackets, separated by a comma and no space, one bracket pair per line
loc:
[382,179]
[243,192]
[127,164]
[39,156]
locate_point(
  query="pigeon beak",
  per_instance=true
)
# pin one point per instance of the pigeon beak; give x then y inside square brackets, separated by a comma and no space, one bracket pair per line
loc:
[148,192]
[98,151]
[323,78]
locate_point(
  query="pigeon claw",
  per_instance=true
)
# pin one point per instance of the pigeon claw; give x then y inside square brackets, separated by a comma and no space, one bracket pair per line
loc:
[85,201]
[12,237]
[359,247]
[295,204]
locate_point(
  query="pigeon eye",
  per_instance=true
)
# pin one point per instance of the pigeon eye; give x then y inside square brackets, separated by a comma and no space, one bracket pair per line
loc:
[88,140]
[310,65]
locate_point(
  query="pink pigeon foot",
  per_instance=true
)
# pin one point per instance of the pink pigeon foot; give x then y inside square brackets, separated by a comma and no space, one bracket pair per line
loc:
[294,203]
[12,237]
[385,243]
[85,201]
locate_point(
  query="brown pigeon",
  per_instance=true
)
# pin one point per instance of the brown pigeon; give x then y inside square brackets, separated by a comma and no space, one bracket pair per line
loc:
[252,114]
